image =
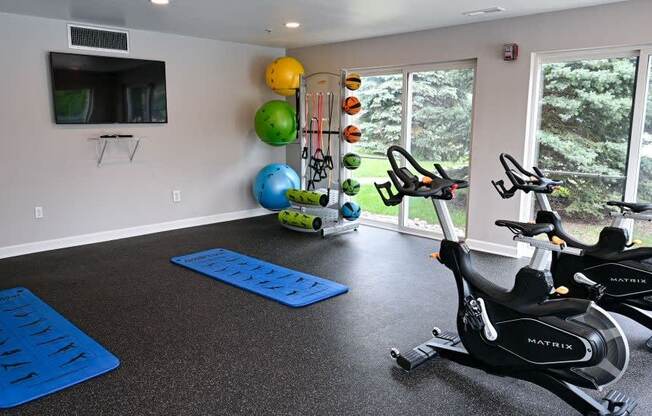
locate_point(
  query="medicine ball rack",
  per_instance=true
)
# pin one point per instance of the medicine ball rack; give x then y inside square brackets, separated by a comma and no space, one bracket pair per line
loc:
[330,219]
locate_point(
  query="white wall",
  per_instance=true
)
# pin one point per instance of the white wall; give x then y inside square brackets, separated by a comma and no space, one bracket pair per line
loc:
[502,88]
[208,150]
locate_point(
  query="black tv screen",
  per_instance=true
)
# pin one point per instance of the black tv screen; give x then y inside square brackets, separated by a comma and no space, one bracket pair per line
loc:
[99,90]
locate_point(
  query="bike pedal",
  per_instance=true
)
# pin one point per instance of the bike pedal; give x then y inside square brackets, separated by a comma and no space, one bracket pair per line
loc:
[619,404]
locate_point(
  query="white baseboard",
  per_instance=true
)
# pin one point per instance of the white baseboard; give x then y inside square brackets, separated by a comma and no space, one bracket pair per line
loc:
[78,240]
[493,248]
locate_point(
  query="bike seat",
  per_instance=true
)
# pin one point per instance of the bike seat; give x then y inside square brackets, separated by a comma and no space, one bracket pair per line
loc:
[631,206]
[526,229]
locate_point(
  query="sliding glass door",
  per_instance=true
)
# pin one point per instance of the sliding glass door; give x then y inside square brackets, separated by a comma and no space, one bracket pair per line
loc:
[441,104]
[428,110]
[590,132]
[380,121]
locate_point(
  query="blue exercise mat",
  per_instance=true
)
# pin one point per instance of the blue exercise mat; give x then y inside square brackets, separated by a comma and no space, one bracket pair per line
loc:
[41,352]
[286,286]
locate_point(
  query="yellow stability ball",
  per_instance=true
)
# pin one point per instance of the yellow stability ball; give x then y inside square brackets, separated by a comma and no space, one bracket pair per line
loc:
[283,75]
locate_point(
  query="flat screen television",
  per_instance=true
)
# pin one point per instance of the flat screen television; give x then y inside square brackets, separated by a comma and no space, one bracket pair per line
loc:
[90,89]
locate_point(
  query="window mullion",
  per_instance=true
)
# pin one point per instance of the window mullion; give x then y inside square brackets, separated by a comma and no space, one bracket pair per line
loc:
[406,128]
[638,122]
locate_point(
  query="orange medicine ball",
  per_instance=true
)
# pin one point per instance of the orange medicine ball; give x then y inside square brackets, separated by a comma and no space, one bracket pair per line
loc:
[351,106]
[352,134]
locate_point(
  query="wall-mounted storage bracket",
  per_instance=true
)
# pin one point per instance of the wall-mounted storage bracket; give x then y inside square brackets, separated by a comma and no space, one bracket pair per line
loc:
[103,141]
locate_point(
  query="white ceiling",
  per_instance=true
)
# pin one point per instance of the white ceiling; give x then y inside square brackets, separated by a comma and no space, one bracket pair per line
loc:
[323,21]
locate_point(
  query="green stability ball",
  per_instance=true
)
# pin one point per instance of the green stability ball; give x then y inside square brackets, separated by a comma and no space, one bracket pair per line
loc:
[276,123]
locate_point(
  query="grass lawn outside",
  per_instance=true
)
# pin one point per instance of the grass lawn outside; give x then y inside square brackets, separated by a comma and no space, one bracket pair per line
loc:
[588,233]
[643,232]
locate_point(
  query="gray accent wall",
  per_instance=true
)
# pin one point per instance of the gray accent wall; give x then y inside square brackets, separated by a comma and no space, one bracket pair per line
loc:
[208,150]
[500,120]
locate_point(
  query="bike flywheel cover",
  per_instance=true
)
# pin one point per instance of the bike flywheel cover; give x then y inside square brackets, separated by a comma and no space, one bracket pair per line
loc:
[613,366]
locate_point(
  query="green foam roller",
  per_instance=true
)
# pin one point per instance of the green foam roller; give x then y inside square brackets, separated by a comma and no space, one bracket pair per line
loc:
[299,220]
[307,197]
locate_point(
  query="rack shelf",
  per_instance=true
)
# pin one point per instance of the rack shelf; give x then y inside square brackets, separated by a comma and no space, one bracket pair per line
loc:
[103,141]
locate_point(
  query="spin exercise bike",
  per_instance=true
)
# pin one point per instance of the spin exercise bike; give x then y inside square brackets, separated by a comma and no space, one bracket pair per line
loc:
[562,345]
[612,274]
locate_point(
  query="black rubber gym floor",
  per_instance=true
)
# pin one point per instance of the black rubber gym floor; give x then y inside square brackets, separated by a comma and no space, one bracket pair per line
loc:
[190,345]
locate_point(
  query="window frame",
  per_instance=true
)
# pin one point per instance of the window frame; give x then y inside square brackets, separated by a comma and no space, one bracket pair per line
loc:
[406,130]
[641,85]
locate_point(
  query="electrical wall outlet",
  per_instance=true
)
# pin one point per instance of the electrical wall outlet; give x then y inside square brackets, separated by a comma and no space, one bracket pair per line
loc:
[38,212]
[176,196]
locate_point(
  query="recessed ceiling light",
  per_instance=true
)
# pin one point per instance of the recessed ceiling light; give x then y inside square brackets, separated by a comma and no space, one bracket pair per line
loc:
[292,25]
[162,2]
[480,12]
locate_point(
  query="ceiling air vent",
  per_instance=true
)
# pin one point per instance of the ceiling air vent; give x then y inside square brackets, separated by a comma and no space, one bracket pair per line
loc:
[98,39]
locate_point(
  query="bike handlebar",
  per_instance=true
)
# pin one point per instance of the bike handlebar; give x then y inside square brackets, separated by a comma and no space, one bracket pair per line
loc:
[523,179]
[407,184]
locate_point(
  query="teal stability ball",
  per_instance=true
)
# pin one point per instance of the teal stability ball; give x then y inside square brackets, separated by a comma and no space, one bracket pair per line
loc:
[271,186]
